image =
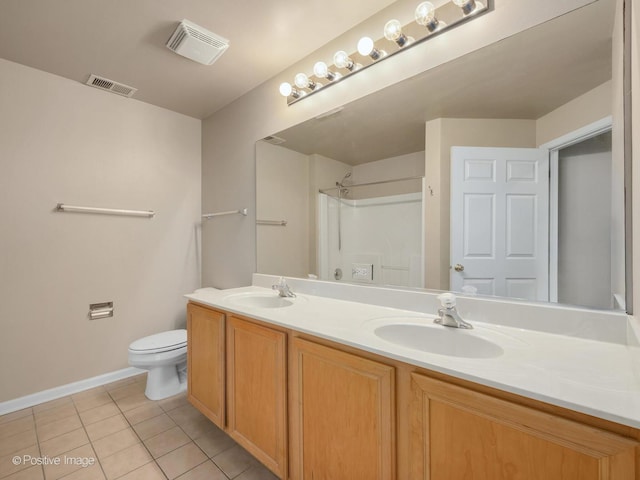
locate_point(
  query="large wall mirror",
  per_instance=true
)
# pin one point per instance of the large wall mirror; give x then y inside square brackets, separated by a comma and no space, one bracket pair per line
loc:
[499,173]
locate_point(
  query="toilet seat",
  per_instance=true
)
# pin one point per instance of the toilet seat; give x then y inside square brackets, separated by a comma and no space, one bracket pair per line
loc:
[160,342]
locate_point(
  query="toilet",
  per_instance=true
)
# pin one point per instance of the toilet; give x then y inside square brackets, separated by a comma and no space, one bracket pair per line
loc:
[164,355]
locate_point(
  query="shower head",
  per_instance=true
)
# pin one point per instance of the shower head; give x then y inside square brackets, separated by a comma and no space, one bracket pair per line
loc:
[341,182]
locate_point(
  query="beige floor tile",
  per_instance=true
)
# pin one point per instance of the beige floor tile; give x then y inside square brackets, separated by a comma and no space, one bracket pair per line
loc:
[9,417]
[14,427]
[106,427]
[126,391]
[119,383]
[176,401]
[92,401]
[57,413]
[115,442]
[197,428]
[58,402]
[143,412]
[69,462]
[259,472]
[154,426]
[142,378]
[63,443]
[185,413]
[204,471]
[99,413]
[58,427]
[133,401]
[18,442]
[234,461]
[31,473]
[125,461]
[8,466]
[181,460]
[167,441]
[92,472]
[91,392]
[215,441]
[150,471]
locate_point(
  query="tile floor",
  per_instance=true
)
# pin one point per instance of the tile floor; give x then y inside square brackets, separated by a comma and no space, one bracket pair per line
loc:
[114,431]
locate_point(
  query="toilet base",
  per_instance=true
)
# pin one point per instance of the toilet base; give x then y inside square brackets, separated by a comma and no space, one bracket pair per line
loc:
[164,382]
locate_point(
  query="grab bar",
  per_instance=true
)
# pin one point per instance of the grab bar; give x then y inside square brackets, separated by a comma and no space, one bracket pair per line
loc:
[207,216]
[278,223]
[61,207]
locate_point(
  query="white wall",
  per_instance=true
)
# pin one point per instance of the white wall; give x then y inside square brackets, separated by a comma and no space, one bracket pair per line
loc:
[584,223]
[61,141]
[230,134]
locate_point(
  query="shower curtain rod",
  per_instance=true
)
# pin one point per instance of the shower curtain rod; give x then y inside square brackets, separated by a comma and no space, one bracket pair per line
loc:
[325,190]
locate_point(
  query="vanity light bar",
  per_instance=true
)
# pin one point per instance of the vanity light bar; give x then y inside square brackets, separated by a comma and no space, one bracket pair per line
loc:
[429,21]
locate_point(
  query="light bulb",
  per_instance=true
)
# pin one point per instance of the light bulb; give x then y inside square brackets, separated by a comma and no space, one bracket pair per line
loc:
[426,16]
[467,6]
[286,89]
[366,48]
[342,60]
[393,32]
[321,70]
[301,80]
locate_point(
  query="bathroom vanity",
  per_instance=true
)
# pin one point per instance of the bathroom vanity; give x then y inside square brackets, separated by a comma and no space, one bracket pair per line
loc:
[317,388]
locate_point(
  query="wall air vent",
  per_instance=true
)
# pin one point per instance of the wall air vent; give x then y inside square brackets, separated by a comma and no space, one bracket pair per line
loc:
[111,86]
[196,43]
[273,140]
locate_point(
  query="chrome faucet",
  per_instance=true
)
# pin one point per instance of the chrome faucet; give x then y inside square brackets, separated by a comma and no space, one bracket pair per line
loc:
[448,316]
[283,289]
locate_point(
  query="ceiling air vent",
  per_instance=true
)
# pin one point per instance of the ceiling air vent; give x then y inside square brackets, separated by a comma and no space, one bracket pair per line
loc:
[196,43]
[111,86]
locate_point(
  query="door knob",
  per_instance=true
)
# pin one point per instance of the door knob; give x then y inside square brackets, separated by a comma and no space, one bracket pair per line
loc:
[458,267]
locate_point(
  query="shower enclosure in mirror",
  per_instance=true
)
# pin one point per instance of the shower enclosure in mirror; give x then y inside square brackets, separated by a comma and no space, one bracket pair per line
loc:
[372,233]
[536,91]
[340,222]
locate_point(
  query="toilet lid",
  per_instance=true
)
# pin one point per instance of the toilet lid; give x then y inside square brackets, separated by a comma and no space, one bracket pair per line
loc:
[160,342]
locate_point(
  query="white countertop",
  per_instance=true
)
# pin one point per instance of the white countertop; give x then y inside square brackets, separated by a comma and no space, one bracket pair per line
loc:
[593,377]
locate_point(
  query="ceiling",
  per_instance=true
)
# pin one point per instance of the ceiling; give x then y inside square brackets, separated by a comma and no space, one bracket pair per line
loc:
[522,77]
[124,41]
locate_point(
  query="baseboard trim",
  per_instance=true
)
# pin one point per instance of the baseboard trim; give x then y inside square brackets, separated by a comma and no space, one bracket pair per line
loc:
[68,389]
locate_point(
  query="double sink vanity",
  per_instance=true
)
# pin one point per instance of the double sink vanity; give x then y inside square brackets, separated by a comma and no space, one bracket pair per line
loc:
[319,386]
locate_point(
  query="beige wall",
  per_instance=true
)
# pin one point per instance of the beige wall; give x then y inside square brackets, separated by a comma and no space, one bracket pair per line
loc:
[403,166]
[635,110]
[61,141]
[230,134]
[440,135]
[583,110]
[282,188]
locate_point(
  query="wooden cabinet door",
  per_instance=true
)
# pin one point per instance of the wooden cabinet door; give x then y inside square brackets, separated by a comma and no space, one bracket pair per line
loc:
[205,362]
[256,391]
[342,415]
[461,434]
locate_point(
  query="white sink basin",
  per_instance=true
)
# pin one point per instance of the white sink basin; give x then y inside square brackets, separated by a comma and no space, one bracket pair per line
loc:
[261,300]
[441,340]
